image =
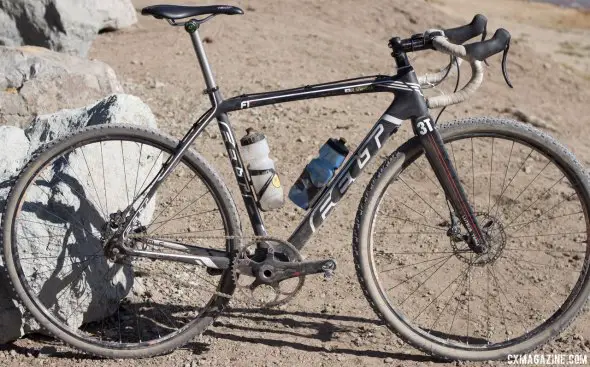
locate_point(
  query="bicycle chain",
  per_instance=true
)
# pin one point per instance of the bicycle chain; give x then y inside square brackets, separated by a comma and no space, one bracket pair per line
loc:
[241,246]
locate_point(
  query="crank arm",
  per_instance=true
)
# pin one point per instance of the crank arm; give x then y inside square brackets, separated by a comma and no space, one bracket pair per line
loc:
[281,270]
[297,269]
[210,261]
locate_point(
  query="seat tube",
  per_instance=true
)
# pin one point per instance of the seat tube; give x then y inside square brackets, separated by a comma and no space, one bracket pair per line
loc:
[193,29]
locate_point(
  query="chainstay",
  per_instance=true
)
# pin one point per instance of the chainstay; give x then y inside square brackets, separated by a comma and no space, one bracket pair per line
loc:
[189,235]
[195,236]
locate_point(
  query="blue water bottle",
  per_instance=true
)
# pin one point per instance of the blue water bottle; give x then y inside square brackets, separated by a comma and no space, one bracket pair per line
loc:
[318,173]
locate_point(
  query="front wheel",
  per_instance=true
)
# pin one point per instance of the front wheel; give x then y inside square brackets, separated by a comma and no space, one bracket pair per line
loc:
[417,271]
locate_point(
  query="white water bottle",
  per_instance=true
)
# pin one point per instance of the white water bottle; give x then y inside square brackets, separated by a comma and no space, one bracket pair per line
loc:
[265,180]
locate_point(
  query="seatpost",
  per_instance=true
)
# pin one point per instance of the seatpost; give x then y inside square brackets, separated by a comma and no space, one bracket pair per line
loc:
[192,27]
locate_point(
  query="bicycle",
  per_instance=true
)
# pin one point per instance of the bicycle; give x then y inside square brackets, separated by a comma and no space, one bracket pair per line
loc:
[458,226]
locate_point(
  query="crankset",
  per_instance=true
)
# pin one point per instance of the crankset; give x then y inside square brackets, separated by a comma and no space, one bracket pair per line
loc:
[271,271]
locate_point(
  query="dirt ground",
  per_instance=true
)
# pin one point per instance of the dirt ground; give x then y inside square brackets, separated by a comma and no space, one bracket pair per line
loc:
[281,44]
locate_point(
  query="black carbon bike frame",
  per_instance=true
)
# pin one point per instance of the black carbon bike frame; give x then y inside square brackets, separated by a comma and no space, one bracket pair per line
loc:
[408,104]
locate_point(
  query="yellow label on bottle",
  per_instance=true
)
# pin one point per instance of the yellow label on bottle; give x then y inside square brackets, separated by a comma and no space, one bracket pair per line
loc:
[276,182]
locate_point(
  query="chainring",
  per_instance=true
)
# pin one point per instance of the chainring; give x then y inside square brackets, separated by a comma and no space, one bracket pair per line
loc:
[266,294]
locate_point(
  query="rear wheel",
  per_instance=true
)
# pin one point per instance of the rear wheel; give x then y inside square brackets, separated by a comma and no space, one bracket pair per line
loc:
[56,219]
[532,199]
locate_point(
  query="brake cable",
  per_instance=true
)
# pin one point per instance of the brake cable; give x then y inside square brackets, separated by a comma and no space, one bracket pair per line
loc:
[453,59]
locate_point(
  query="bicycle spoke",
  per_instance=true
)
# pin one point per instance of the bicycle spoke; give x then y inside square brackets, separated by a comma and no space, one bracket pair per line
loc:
[141,189]
[438,296]
[454,160]
[406,220]
[490,177]
[505,322]
[538,198]
[138,322]
[104,182]
[543,295]
[468,295]
[525,188]
[551,209]
[125,174]
[137,171]
[93,184]
[472,177]
[171,201]
[429,252]
[425,280]
[412,264]
[421,198]
[458,303]
[411,232]
[88,294]
[80,226]
[415,211]
[542,220]
[90,259]
[549,251]
[498,202]
[546,234]
[460,286]
[65,181]
[179,212]
[420,272]
[504,179]
[185,216]
[505,296]
[437,185]
[487,301]
[526,262]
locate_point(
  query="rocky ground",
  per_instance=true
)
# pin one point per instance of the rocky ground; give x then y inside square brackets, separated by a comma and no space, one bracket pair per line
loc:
[282,44]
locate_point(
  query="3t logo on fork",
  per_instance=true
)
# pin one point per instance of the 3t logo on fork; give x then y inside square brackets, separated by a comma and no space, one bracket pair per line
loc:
[425,126]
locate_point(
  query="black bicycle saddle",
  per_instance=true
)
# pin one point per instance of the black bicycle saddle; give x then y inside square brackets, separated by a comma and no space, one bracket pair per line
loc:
[179,12]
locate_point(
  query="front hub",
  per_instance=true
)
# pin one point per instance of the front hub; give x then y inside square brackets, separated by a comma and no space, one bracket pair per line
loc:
[495,238]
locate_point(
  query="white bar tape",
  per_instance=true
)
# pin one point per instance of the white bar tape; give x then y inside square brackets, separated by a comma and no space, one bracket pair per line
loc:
[443,45]
[427,80]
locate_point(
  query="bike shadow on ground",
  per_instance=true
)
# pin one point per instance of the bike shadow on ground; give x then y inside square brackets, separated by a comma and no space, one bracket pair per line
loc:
[323,328]
[53,348]
[299,325]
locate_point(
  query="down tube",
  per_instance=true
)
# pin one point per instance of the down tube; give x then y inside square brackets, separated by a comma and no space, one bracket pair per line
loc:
[383,129]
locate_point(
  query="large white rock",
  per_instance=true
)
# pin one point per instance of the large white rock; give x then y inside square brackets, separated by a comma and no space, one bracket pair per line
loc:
[55,208]
[13,154]
[36,81]
[62,25]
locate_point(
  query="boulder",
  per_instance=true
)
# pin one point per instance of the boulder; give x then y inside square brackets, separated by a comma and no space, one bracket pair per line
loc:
[54,208]
[35,81]
[67,26]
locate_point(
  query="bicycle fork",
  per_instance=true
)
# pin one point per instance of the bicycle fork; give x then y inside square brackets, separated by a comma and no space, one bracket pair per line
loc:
[437,156]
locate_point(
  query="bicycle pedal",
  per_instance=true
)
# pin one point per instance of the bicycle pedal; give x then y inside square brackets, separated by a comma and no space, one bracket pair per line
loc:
[328,274]
[329,267]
